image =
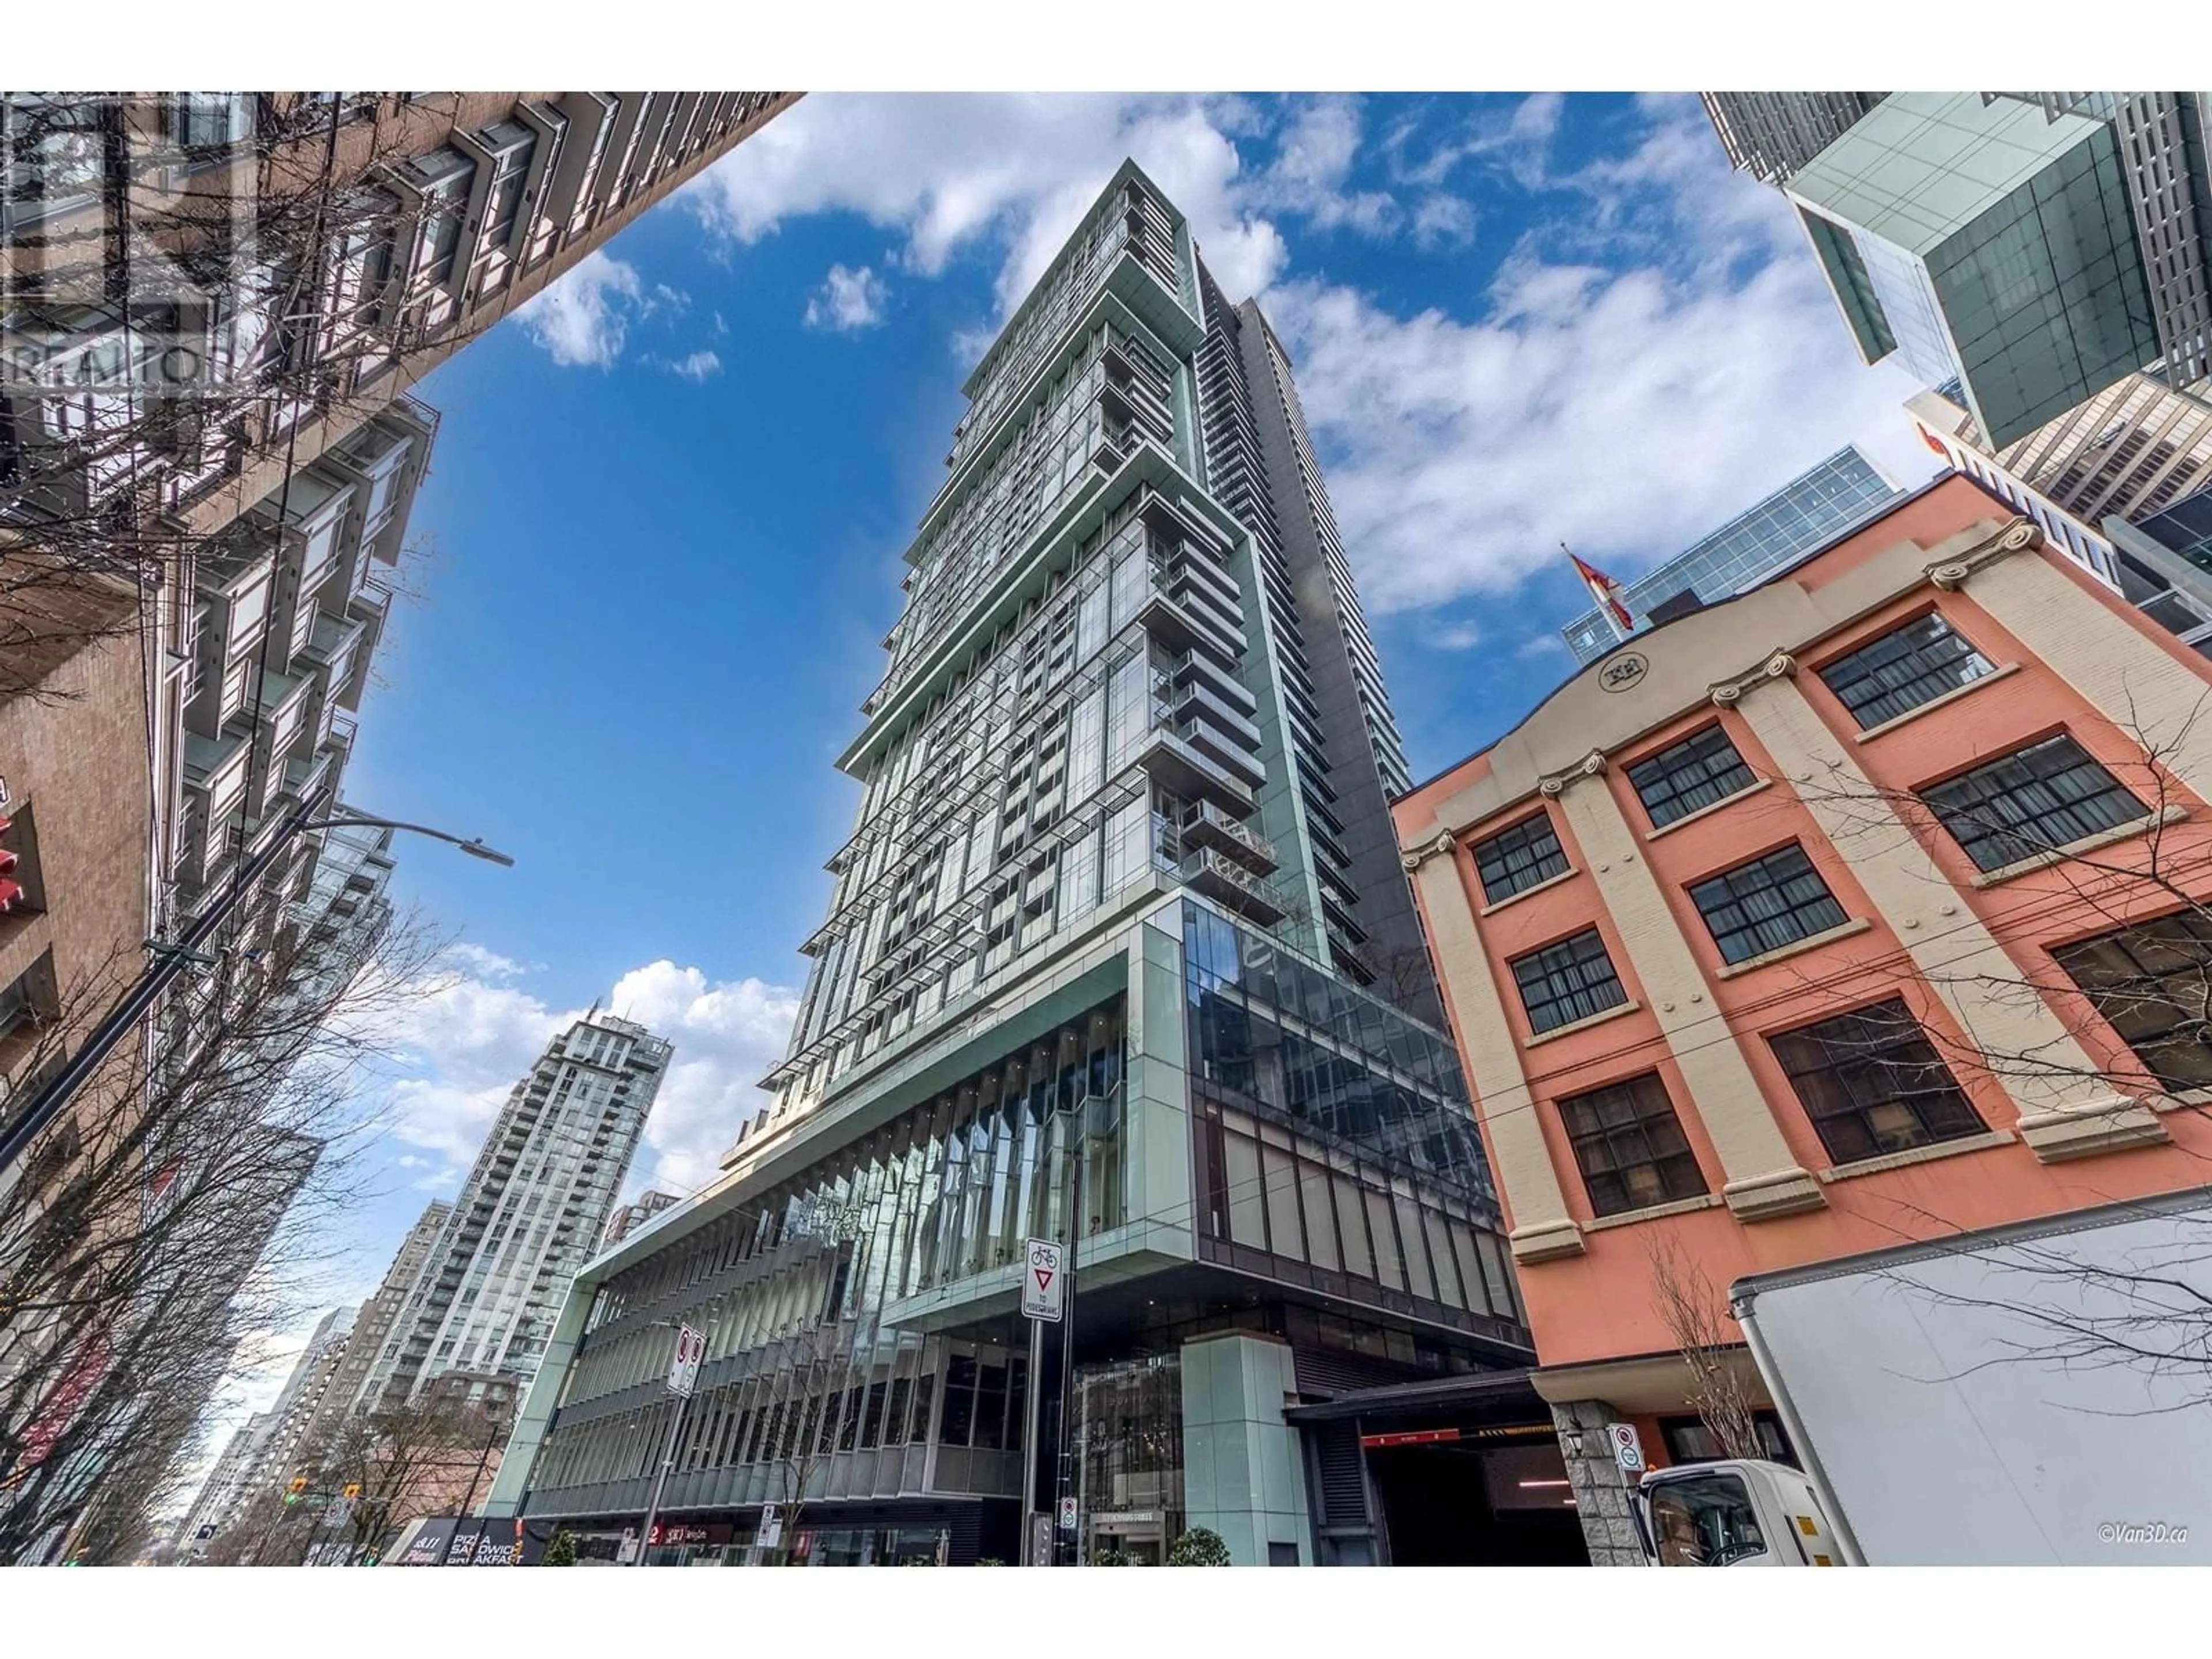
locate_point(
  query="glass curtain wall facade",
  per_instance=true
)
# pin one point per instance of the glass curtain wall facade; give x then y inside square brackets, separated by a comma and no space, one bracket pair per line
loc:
[1831,500]
[1989,241]
[1130,718]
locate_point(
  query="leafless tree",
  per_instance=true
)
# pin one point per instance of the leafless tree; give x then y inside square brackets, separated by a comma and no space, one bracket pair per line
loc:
[817,1370]
[426,1457]
[2104,1032]
[1402,977]
[1689,1305]
[133,1232]
[195,316]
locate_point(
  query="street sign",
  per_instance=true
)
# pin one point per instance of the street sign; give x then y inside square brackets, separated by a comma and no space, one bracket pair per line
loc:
[771,1528]
[1067,1514]
[690,1349]
[1627,1448]
[1043,1286]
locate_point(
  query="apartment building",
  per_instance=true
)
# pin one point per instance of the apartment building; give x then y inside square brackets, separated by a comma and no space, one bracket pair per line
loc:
[73,854]
[2132,450]
[210,446]
[373,1325]
[631,1217]
[1861,908]
[276,1459]
[1770,135]
[255,499]
[530,1215]
[223,1495]
[1095,970]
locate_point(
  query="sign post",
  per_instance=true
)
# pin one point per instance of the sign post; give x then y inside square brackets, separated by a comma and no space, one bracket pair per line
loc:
[1044,1290]
[682,1377]
[1627,1448]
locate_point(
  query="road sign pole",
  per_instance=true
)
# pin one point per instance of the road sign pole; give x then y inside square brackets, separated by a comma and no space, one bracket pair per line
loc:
[683,1378]
[1032,1467]
[660,1480]
[1065,1485]
[1044,1289]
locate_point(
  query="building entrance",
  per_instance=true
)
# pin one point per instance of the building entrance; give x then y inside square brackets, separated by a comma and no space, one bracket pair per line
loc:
[1474,1502]
[1450,1472]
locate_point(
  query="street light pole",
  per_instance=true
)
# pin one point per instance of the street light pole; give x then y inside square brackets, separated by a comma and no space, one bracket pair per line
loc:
[170,960]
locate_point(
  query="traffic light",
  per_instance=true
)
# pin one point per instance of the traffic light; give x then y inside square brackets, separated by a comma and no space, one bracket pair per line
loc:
[352,1490]
[292,1493]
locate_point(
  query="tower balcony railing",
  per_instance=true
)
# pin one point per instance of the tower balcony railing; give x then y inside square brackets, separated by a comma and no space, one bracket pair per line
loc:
[1222,879]
[1207,824]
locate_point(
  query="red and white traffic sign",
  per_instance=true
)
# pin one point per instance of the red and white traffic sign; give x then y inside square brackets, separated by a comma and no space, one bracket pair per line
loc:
[1627,1448]
[690,1349]
[1044,1284]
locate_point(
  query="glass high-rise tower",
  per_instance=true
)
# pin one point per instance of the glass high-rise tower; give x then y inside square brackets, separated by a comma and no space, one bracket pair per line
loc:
[536,1202]
[1120,953]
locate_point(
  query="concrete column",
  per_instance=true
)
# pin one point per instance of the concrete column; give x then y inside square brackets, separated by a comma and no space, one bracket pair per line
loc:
[1156,1094]
[2126,675]
[1242,1473]
[1599,1486]
[1520,1160]
[2067,1110]
[1762,1177]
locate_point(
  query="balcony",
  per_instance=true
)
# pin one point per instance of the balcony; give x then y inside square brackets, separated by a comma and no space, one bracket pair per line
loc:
[1183,770]
[1232,753]
[1196,668]
[1209,826]
[1183,630]
[1231,884]
[1198,701]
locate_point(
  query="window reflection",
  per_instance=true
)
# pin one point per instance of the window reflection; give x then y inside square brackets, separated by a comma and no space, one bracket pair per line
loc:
[1333,1132]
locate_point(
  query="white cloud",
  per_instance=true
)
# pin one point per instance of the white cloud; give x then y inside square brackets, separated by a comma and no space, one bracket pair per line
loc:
[847,301]
[727,1035]
[947,171]
[473,1034]
[581,318]
[1442,219]
[1313,165]
[698,368]
[1452,635]
[1623,411]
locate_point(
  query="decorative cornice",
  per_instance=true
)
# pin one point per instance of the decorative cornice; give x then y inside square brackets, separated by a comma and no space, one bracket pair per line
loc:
[1553,784]
[1440,847]
[1727,693]
[2017,537]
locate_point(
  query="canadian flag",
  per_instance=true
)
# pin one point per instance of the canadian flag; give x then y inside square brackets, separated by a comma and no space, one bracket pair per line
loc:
[1605,590]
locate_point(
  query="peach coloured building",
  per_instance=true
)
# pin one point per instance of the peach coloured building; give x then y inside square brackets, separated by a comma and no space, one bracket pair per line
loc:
[1861,908]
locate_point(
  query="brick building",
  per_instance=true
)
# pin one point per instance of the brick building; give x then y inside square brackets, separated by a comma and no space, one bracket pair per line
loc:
[1863,907]
[73,841]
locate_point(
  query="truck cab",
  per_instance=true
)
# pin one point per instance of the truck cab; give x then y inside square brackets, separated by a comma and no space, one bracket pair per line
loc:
[1736,1512]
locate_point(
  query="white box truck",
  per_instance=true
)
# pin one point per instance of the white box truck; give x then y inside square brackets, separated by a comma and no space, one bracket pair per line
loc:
[2030,1394]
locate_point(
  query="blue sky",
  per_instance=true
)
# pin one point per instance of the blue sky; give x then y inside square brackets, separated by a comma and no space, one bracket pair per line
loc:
[662,536]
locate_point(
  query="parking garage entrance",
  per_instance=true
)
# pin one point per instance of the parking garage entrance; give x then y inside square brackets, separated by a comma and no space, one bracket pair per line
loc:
[1460,1472]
